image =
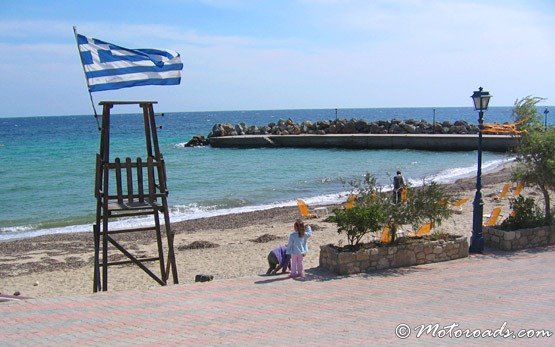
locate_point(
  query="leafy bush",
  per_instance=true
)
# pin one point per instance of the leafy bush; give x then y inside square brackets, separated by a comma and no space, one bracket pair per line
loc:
[359,221]
[375,209]
[526,109]
[536,153]
[429,203]
[526,215]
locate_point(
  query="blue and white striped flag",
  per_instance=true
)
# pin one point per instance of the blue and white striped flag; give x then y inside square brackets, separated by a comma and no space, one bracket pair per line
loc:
[108,66]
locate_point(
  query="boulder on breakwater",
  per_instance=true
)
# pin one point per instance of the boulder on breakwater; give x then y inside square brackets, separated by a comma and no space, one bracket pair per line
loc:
[344,126]
[196,141]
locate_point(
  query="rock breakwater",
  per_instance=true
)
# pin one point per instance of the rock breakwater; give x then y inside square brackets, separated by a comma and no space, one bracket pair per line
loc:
[344,126]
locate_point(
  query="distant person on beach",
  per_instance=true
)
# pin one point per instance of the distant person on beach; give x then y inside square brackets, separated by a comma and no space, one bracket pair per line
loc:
[278,259]
[298,246]
[398,186]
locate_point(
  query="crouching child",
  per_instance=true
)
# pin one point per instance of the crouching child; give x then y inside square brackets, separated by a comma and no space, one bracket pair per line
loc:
[278,259]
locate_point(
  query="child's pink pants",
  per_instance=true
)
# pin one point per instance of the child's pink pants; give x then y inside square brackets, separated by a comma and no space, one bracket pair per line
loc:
[297,265]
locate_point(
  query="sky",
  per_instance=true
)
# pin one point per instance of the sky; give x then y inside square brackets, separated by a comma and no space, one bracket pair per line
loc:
[284,54]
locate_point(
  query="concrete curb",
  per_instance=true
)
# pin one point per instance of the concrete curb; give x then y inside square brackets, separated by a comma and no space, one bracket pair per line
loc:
[430,142]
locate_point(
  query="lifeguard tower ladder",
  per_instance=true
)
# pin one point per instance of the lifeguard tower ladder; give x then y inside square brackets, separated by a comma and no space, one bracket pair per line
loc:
[128,189]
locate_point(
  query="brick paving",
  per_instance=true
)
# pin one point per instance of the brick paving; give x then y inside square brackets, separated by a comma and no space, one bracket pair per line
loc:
[479,292]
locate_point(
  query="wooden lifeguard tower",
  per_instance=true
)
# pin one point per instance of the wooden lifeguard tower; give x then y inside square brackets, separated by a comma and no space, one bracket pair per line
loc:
[127,189]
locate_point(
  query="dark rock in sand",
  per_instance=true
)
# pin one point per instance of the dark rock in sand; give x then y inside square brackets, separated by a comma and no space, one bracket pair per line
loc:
[266,238]
[203,278]
[198,245]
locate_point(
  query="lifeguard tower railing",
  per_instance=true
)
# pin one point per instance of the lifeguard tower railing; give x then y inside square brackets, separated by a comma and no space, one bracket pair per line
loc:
[131,188]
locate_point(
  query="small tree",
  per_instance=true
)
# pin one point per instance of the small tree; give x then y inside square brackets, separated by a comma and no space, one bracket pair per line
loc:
[525,215]
[536,166]
[526,109]
[376,209]
[358,221]
[429,203]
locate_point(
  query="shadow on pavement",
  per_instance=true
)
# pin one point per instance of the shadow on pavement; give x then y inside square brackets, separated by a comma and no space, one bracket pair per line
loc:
[319,274]
[273,278]
[490,253]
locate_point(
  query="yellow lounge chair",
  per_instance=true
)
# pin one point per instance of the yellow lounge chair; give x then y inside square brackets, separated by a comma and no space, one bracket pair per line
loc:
[404,194]
[493,217]
[505,128]
[460,202]
[457,205]
[424,229]
[386,235]
[518,188]
[504,192]
[351,200]
[304,211]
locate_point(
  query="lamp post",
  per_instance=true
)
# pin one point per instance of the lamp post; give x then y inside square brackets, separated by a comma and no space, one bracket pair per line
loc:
[434,121]
[481,101]
[545,112]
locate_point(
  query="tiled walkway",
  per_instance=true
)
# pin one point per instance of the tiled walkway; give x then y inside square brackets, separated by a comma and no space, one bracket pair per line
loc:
[479,292]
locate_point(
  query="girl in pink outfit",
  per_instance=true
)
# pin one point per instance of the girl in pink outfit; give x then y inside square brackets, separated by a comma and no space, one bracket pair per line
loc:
[297,247]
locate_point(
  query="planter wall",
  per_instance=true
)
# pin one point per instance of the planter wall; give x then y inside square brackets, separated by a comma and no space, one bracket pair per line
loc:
[393,256]
[519,239]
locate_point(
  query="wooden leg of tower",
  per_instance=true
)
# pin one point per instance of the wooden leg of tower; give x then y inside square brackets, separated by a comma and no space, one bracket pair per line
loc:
[104,233]
[170,237]
[160,245]
[96,280]
[96,227]
[105,159]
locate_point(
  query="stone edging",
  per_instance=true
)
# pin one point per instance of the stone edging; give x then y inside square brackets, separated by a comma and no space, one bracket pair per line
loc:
[519,239]
[386,257]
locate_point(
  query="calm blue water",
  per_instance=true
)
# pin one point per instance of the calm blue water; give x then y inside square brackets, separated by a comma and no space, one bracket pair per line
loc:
[47,171]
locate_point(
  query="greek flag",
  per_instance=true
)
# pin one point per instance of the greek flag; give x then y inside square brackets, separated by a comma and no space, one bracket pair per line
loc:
[108,66]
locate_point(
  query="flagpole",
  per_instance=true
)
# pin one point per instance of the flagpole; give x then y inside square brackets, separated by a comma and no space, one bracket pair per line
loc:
[86,80]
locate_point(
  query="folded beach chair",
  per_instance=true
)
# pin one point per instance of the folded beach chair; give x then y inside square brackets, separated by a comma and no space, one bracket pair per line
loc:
[304,211]
[423,230]
[404,194]
[518,188]
[457,205]
[493,217]
[351,200]
[505,128]
[504,192]
[386,235]
[460,202]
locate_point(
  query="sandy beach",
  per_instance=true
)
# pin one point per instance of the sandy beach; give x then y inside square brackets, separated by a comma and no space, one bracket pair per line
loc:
[58,265]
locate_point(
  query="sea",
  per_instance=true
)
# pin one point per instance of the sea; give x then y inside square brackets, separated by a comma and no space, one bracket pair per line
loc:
[48,165]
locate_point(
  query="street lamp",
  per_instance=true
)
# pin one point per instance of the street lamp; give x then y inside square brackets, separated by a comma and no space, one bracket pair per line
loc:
[545,112]
[434,121]
[481,101]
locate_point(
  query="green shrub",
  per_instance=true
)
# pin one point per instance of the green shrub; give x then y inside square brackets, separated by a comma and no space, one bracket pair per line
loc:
[359,221]
[526,215]
[375,209]
[536,153]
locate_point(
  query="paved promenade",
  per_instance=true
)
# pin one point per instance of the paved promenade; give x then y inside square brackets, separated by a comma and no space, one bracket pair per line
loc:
[499,292]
